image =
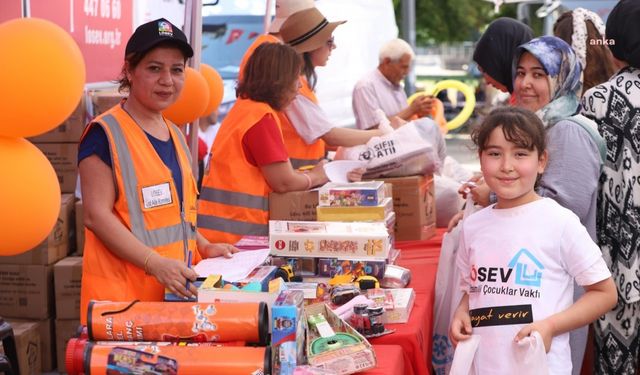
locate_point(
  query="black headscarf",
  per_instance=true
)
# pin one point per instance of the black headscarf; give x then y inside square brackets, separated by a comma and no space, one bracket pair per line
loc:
[623,27]
[495,49]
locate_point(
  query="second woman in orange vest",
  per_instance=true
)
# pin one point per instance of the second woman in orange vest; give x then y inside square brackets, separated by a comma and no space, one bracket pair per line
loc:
[139,193]
[248,157]
[305,126]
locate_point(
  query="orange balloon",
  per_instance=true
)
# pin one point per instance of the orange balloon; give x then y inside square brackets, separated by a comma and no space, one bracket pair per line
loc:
[42,73]
[29,196]
[216,87]
[192,101]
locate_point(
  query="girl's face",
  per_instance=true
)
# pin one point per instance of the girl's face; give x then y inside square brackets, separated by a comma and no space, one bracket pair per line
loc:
[510,170]
[320,56]
[157,80]
[531,86]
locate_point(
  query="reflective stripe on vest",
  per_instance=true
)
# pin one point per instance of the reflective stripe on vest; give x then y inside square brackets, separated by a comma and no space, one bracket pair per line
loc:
[234,198]
[155,237]
[242,228]
[238,199]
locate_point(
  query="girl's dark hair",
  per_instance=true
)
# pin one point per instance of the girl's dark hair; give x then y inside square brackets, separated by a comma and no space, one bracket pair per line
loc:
[309,70]
[133,59]
[599,64]
[269,74]
[519,126]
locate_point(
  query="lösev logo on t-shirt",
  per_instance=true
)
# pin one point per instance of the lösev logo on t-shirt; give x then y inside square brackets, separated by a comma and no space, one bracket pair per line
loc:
[524,269]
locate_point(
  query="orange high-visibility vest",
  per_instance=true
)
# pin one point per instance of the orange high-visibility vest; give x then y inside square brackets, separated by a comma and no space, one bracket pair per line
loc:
[264,38]
[300,153]
[147,204]
[234,198]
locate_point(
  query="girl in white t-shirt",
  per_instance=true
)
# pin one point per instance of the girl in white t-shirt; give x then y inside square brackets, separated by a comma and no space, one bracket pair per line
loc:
[519,257]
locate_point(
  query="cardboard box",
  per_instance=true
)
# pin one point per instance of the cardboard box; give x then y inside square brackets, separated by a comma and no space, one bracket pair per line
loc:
[70,130]
[64,158]
[55,246]
[356,213]
[295,206]
[65,329]
[26,292]
[102,101]
[364,193]
[79,228]
[28,347]
[67,275]
[414,205]
[47,344]
[329,239]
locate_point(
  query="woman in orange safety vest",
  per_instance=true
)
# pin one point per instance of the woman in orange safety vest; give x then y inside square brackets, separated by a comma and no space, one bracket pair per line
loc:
[306,128]
[139,193]
[248,157]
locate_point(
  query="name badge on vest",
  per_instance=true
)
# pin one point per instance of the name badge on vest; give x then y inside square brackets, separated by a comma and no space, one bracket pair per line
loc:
[157,195]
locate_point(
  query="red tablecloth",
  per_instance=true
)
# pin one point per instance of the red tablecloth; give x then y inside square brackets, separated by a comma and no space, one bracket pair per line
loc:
[421,257]
[391,360]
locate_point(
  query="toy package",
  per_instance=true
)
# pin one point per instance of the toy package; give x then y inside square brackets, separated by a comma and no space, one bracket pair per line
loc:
[287,335]
[355,240]
[367,193]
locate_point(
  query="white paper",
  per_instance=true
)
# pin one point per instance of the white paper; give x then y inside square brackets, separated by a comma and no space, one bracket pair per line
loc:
[232,269]
[337,170]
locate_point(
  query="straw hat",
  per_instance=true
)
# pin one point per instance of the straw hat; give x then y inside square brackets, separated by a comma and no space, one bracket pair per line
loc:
[307,30]
[284,9]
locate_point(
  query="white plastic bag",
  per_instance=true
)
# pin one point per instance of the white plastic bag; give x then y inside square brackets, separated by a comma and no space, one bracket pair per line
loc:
[463,361]
[531,355]
[447,296]
[404,152]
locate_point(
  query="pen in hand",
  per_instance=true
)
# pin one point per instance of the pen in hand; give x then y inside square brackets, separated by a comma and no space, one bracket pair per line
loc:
[186,286]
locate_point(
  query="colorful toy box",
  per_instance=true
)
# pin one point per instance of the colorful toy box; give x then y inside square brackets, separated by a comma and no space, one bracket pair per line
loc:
[368,193]
[329,267]
[287,335]
[356,213]
[355,240]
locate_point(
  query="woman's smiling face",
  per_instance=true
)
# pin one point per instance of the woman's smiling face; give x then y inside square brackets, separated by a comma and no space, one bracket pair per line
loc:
[531,86]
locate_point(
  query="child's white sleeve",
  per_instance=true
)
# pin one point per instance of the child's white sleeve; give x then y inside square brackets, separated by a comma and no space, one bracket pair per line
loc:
[462,261]
[579,252]
[595,273]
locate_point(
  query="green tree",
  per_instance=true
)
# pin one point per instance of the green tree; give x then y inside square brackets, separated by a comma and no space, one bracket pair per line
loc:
[439,21]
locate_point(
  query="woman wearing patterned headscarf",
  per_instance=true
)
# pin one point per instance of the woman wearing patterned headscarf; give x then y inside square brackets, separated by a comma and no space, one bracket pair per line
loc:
[547,81]
[615,107]
[584,30]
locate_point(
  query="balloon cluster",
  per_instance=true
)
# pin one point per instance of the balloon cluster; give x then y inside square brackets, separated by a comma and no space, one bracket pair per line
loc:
[43,77]
[201,95]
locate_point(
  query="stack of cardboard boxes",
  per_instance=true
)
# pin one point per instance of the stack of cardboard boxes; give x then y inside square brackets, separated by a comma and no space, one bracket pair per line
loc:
[40,289]
[27,293]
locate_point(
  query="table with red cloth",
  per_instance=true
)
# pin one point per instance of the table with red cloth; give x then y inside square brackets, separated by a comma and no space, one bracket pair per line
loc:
[391,360]
[414,337]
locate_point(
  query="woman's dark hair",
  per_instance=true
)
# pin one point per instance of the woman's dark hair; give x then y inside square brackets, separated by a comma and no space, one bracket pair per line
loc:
[519,126]
[598,57]
[269,74]
[309,70]
[133,59]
